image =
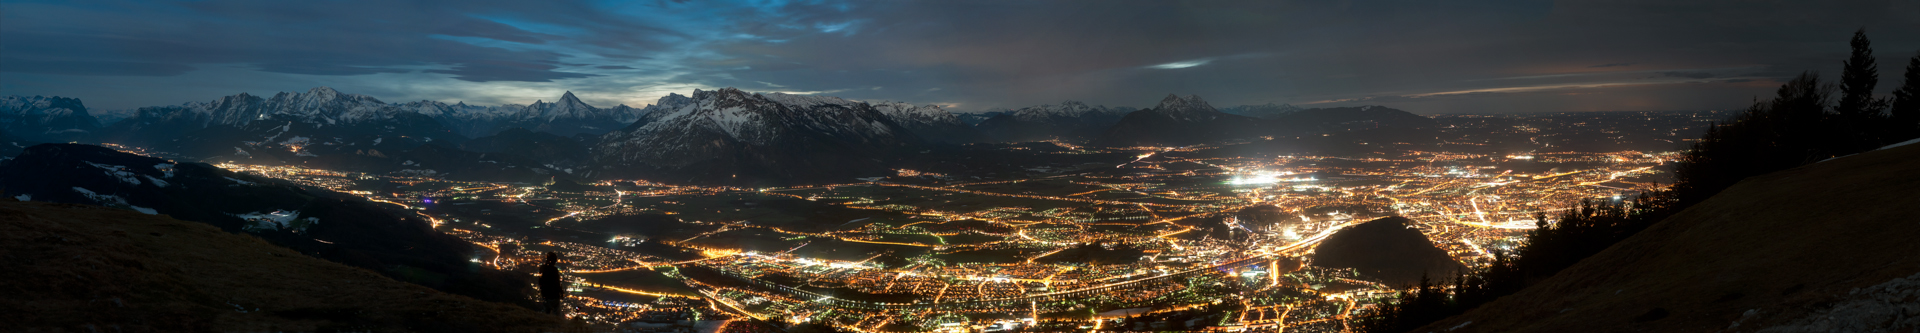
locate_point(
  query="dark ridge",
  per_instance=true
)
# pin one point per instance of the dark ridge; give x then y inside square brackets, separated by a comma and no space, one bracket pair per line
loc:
[1387,250]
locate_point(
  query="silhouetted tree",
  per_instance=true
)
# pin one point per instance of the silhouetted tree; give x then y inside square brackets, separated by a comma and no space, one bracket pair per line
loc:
[1904,111]
[550,289]
[1771,135]
[1858,78]
[1858,118]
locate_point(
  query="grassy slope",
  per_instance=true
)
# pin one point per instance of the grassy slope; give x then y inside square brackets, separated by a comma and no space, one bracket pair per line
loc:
[87,268]
[1786,243]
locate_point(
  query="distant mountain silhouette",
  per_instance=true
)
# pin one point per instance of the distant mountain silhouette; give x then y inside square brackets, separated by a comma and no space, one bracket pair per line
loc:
[1264,111]
[1071,121]
[46,119]
[1351,118]
[1177,121]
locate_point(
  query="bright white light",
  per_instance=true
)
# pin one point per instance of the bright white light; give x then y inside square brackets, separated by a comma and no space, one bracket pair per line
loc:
[1181,64]
[1266,177]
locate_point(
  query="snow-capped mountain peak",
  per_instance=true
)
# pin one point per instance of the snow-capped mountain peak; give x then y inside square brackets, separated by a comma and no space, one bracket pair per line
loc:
[45,118]
[1066,109]
[1190,105]
[727,132]
[806,100]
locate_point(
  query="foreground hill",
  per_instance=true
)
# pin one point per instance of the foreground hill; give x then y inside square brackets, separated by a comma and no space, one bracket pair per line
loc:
[1828,247]
[324,224]
[81,268]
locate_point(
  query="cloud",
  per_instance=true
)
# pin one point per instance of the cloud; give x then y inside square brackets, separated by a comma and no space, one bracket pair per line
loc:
[1617,64]
[1181,64]
[1691,75]
[108,68]
[353,37]
[481,71]
[612,67]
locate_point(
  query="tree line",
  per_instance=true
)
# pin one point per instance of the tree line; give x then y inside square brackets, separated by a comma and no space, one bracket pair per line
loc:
[1802,124]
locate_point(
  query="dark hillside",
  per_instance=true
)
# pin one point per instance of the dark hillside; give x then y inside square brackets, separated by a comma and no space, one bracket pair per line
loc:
[324,224]
[537,146]
[81,268]
[1385,249]
[1785,250]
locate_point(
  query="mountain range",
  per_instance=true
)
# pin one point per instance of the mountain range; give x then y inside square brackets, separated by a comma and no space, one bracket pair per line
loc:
[717,136]
[1067,121]
[714,136]
[1177,121]
[1180,121]
[566,116]
[45,119]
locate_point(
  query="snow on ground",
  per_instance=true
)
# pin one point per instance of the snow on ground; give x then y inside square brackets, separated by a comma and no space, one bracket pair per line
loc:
[1902,143]
[165,168]
[117,172]
[155,181]
[1891,146]
[277,220]
[101,198]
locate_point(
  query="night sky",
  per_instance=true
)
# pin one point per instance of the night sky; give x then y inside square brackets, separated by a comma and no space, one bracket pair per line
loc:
[1422,56]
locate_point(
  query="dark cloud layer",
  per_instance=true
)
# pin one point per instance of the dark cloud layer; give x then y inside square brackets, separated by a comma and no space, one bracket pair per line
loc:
[1424,56]
[302,37]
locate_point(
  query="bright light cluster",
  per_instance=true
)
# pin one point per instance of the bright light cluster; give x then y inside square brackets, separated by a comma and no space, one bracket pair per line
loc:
[1267,177]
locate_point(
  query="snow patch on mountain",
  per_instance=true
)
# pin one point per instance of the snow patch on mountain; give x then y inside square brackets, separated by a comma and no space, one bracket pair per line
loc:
[165,168]
[100,198]
[1066,109]
[118,172]
[276,220]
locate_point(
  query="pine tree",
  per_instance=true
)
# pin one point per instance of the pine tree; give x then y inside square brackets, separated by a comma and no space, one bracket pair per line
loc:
[1905,110]
[1857,121]
[550,282]
[1858,79]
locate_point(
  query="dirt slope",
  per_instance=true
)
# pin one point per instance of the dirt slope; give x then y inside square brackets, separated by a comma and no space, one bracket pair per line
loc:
[81,268]
[1784,252]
